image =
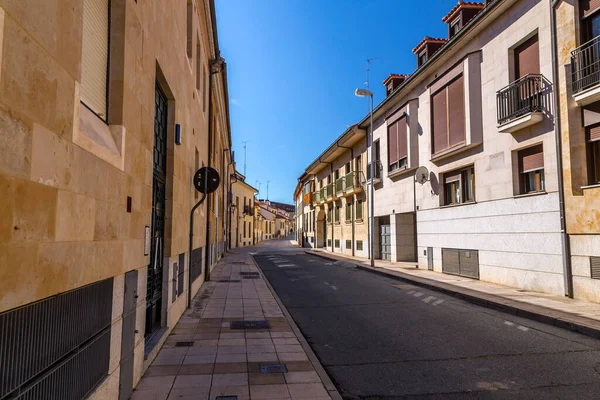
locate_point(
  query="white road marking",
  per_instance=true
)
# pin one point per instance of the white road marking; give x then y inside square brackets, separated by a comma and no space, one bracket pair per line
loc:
[328,263]
[523,328]
[301,279]
[418,294]
[286,265]
[410,292]
[428,299]
[435,303]
[331,286]
[508,323]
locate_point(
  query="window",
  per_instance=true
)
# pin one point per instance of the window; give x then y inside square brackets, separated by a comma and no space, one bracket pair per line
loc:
[329,214]
[459,186]
[527,58]
[454,27]
[189,29]
[377,163]
[328,242]
[348,167]
[337,243]
[397,145]
[197,164]
[307,188]
[94,56]
[359,245]
[390,88]
[531,169]
[348,212]
[359,210]
[244,228]
[422,58]
[337,214]
[593,138]
[448,116]
[198,64]
[349,244]
[358,167]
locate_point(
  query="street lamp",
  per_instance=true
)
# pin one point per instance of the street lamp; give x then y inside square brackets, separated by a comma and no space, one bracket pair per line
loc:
[368,93]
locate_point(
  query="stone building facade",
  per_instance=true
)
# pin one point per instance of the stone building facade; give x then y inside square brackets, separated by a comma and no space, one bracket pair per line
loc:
[243,220]
[331,197]
[107,108]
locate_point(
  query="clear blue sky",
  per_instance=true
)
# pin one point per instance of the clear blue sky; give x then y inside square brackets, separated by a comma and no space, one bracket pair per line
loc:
[293,66]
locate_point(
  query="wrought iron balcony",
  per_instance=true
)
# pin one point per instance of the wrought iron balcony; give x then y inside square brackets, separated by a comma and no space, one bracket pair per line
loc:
[585,65]
[524,96]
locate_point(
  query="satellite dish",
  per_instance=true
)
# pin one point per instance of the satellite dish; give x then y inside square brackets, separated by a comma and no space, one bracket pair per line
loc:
[422,175]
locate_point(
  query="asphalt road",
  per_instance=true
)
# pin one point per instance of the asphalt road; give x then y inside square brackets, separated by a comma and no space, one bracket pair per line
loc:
[383,339]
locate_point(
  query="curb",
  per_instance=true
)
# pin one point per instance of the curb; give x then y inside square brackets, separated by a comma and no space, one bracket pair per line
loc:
[490,301]
[312,357]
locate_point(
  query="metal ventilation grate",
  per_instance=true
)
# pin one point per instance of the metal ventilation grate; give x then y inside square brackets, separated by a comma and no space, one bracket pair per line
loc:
[595,267]
[262,324]
[249,274]
[184,344]
[38,340]
[273,368]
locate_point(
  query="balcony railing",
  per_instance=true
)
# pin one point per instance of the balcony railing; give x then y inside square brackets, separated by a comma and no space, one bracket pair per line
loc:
[378,169]
[585,65]
[339,185]
[329,191]
[316,197]
[349,180]
[524,96]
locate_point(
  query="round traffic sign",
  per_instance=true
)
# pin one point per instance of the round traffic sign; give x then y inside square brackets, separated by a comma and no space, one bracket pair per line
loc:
[206,180]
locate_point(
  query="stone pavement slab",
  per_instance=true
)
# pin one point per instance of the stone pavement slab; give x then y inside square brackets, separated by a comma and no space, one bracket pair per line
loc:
[563,312]
[220,361]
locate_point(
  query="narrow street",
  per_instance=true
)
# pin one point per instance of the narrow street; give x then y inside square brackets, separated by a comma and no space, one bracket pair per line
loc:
[380,339]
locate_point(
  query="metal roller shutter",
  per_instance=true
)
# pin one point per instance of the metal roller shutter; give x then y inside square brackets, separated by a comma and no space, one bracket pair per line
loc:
[595,267]
[527,58]
[450,261]
[589,6]
[594,133]
[469,263]
[440,121]
[532,158]
[456,111]
[94,56]
[402,140]
[393,143]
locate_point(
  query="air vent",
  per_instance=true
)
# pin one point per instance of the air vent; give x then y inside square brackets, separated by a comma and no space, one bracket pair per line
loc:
[184,344]
[273,368]
[595,267]
[249,274]
[262,324]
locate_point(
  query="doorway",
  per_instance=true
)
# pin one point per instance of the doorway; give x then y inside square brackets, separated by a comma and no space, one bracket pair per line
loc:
[385,240]
[159,177]
[321,229]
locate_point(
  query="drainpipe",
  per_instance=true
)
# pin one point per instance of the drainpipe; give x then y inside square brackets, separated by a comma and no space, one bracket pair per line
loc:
[352,216]
[230,201]
[566,248]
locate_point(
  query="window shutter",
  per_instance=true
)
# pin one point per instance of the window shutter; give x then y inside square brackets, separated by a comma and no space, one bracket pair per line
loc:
[456,111]
[94,56]
[393,143]
[594,133]
[589,6]
[527,58]
[439,122]
[402,141]
[452,177]
[532,158]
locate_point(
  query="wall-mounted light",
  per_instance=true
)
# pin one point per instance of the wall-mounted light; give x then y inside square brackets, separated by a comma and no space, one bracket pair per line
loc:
[177,134]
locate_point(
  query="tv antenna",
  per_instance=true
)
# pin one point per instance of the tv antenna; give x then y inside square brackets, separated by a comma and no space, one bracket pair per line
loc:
[422,175]
[368,64]
[245,157]
[268,189]
[258,183]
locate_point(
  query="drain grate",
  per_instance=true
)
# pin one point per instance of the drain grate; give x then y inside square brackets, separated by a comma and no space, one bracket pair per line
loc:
[228,280]
[264,324]
[184,344]
[249,274]
[273,368]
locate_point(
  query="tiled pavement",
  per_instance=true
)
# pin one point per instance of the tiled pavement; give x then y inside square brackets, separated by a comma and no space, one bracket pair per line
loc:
[226,362]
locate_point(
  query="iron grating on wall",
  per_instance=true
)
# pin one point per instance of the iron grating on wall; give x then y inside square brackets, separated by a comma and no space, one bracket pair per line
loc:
[40,341]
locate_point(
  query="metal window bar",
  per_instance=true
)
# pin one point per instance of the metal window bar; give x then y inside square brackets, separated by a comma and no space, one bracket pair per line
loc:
[585,65]
[525,95]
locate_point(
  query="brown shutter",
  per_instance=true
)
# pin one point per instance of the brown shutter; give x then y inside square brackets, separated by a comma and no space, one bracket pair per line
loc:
[532,158]
[456,111]
[393,143]
[439,122]
[594,133]
[402,141]
[589,6]
[527,58]
[452,177]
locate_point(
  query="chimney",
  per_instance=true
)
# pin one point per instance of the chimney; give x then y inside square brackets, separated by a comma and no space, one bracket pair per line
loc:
[426,48]
[392,82]
[460,15]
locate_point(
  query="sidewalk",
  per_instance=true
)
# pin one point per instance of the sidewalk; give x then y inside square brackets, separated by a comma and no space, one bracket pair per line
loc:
[205,358]
[576,315]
